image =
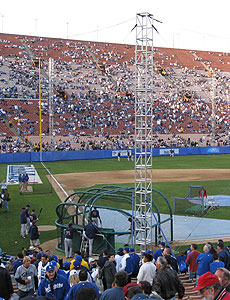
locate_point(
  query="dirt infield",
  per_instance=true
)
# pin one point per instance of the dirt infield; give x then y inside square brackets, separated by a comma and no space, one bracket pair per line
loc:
[81,180]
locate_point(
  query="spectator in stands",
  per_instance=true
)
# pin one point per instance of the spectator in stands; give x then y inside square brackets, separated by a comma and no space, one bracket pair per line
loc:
[204,260]
[159,251]
[136,262]
[134,291]
[42,267]
[167,282]
[53,285]
[118,258]
[116,292]
[210,287]
[147,271]
[83,283]
[6,287]
[191,261]
[172,262]
[109,271]
[88,293]
[224,277]
[26,277]
[216,264]
[223,254]
[18,261]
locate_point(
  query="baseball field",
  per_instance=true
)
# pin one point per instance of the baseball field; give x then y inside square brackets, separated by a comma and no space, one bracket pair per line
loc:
[171,176]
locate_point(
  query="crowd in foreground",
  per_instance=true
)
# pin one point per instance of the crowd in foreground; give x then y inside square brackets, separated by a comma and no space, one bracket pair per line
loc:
[126,275]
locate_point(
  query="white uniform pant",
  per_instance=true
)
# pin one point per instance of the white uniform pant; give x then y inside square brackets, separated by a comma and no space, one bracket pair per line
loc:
[23,230]
[95,221]
[27,225]
[90,244]
[68,247]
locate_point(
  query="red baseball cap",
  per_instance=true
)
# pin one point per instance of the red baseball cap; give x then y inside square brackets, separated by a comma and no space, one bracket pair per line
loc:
[128,287]
[205,280]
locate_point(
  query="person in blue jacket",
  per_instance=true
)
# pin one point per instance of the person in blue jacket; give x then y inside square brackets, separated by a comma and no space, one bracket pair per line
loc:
[53,285]
[159,251]
[204,260]
[82,284]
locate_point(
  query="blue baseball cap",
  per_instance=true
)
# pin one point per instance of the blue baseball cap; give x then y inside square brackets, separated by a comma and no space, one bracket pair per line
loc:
[148,252]
[126,249]
[50,268]
[76,263]
[120,250]
[78,258]
[66,265]
[53,263]
[132,250]
[38,255]
[55,257]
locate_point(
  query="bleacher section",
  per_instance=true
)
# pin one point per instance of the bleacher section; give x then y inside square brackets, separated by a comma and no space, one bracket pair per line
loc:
[94,86]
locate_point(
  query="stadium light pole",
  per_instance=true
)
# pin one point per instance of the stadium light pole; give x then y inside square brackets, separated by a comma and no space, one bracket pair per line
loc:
[51,94]
[40,107]
[144,71]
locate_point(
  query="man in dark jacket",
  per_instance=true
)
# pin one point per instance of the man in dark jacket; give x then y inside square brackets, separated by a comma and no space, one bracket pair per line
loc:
[224,255]
[109,271]
[6,288]
[34,234]
[167,282]
[89,233]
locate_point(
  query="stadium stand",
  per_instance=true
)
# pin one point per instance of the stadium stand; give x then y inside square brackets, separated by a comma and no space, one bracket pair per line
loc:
[94,94]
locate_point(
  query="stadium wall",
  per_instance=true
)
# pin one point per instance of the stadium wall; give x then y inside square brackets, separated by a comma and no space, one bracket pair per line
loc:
[102,154]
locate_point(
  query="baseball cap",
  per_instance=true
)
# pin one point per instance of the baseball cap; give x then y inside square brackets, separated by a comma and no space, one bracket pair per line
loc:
[132,250]
[53,263]
[162,244]
[55,257]
[205,280]
[78,258]
[128,287]
[76,264]
[126,249]
[148,252]
[38,255]
[66,265]
[91,260]
[32,248]
[50,268]
[120,250]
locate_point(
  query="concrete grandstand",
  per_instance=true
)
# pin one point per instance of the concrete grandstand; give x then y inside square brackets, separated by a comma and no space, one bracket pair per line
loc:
[94,95]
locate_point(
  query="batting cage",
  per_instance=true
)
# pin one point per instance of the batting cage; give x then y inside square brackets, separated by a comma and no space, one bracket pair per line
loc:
[115,206]
[193,203]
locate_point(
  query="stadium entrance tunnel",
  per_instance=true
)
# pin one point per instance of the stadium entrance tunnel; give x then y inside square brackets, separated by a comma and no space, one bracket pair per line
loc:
[116,207]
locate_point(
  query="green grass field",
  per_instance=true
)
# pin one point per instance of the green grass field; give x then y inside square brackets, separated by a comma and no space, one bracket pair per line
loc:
[10,225]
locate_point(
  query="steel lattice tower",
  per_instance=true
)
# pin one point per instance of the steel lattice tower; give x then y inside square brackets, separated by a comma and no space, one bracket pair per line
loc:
[144,69]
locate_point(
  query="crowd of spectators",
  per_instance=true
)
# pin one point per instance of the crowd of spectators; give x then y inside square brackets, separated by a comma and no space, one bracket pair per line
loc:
[94,86]
[122,275]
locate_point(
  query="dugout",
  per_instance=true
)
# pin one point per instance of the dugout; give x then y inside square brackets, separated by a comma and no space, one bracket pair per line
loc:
[119,200]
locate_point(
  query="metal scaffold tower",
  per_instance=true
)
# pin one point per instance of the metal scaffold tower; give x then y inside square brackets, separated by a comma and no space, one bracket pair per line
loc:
[144,70]
[51,95]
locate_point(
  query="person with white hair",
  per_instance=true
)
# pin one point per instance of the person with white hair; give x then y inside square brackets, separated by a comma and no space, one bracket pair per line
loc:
[204,260]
